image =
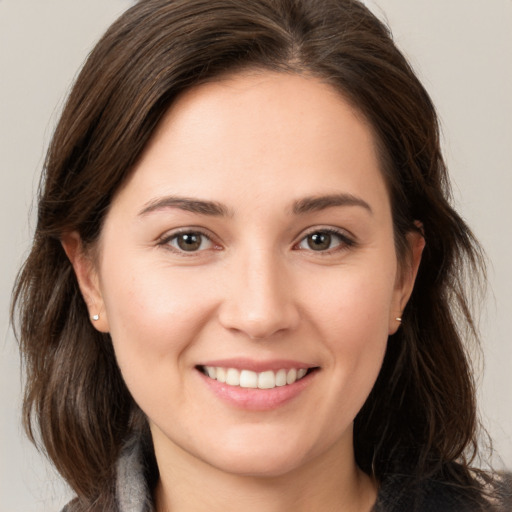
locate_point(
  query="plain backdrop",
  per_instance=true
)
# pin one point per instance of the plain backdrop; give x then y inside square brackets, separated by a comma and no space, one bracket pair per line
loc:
[461,49]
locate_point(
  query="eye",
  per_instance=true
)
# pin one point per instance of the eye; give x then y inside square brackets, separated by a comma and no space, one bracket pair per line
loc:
[188,241]
[324,240]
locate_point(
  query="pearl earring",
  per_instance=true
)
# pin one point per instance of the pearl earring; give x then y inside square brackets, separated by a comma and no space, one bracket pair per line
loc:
[95,317]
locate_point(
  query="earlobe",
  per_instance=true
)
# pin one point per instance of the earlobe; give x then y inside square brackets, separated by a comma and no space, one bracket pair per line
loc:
[405,285]
[87,277]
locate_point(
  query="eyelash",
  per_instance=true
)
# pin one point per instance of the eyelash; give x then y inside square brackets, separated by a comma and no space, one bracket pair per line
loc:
[166,240]
[345,242]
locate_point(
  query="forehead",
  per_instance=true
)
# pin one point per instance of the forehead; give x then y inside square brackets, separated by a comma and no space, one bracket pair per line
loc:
[265,104]
[259,133]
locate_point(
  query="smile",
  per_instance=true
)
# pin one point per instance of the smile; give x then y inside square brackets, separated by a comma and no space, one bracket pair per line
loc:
[268,379]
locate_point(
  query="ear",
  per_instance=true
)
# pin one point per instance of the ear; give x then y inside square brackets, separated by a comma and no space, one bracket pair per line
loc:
[88,279]
[406,277]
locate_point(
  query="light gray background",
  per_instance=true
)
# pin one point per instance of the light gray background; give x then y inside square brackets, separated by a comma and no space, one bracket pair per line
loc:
[462,50]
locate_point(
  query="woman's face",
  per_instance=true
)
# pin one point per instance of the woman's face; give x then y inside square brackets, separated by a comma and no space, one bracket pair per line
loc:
[254,242]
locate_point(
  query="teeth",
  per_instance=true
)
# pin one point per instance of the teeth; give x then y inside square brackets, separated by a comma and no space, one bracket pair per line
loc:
[221,373]
[291,376]
[281,378]
[267,380]
[233,377]
[249,379]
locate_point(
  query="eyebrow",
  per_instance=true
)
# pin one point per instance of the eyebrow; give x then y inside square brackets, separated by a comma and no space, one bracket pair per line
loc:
[212,208]
[216,209]
[318,203]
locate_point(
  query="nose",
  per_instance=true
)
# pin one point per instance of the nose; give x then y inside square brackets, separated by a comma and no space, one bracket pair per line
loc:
[258,299]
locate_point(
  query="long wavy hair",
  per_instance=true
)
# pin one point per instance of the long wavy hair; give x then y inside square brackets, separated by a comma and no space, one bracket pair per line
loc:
[421,412]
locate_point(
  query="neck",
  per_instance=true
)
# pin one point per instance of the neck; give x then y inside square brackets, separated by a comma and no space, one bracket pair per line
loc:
[329,482]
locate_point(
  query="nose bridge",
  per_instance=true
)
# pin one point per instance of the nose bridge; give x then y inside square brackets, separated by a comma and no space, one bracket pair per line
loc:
[258,300]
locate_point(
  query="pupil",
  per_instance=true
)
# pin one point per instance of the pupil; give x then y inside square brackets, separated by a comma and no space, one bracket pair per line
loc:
[189,242]
[319,241]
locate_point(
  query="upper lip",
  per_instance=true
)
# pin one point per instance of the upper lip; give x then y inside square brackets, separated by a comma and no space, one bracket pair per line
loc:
[257,366]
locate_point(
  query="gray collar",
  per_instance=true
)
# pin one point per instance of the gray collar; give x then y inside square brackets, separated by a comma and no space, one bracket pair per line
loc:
[132,490]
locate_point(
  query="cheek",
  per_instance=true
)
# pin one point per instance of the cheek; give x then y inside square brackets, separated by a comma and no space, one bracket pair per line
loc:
[354,303]
[351,314]
[155,316]
[153,313]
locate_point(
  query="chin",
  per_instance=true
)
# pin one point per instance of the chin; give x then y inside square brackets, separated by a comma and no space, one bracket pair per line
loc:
[261,466]
[265,456]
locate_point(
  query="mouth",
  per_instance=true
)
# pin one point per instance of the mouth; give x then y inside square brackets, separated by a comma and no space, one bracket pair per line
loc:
[244,378]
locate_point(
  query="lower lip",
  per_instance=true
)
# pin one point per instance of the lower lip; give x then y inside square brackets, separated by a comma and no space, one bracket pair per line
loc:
[252,399]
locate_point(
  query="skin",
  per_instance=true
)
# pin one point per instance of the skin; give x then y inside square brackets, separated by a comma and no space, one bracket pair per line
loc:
[257,143]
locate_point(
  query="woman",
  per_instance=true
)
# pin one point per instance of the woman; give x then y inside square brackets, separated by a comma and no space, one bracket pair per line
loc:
[246,271]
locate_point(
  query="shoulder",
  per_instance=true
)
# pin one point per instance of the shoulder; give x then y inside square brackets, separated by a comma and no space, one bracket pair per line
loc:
[441,493]
[132,486]
[502,490]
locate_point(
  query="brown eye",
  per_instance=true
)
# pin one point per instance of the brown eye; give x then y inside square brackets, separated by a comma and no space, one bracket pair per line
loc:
[319,241]
[325,240]
[190,242]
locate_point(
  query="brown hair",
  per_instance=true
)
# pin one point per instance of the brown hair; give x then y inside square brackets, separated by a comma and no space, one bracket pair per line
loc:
[421,412]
